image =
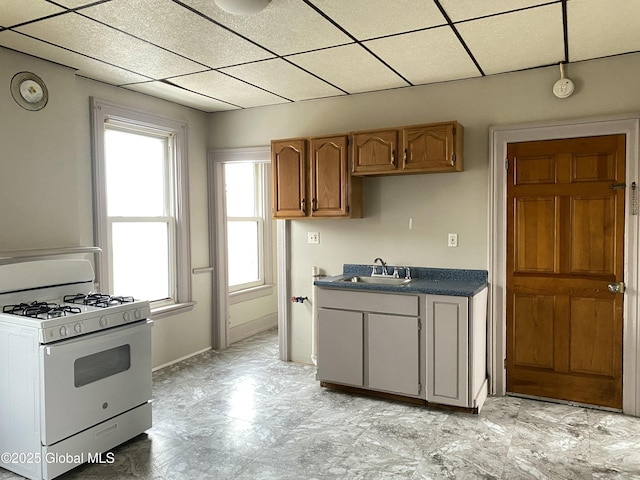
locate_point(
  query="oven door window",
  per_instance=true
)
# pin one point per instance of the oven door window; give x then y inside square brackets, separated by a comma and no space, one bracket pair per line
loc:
[101,365]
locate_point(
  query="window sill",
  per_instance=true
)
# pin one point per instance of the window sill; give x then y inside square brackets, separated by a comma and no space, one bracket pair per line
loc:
[173,309]
[250,294]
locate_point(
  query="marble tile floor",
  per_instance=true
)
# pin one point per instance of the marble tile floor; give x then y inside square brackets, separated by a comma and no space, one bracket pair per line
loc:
[242,414]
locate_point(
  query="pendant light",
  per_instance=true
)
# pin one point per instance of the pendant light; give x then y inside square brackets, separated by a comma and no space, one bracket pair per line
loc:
[242,7]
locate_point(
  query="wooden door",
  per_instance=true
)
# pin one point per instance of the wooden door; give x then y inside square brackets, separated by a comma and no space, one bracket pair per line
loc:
[288,167]
[565,243]
[431,148]
[329,177]
[375,152]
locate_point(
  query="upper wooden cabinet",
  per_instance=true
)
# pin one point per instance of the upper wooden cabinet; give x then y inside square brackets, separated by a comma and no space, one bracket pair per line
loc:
[289,172]
[311,179]
[430,148]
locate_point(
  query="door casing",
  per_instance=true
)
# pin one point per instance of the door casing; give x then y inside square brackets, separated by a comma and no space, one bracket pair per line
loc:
[500,136]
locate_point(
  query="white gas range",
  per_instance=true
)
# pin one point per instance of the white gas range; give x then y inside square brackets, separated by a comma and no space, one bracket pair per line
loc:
[75,367]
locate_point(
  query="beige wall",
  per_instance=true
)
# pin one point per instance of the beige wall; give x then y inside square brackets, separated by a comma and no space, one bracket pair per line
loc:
[437,203]
[45,182]
[52,148]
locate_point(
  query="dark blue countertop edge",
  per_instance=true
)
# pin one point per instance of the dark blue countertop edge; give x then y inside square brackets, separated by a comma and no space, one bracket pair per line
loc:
[434,281]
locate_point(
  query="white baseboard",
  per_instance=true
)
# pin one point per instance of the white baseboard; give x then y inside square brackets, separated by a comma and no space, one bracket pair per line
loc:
[178,360]
[248,329]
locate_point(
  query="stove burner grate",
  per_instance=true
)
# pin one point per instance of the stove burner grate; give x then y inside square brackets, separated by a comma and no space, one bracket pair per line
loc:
[100,300]
[41,310]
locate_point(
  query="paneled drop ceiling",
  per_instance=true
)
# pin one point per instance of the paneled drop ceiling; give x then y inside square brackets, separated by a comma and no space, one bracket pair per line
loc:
[193,53]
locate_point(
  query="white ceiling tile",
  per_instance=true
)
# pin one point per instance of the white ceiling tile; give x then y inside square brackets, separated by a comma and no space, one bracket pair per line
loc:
[459,10]
[284,79]
[499,45]
[84,66]
[109,45]
[349,67]
[366,19]
[599,28]
[413,56]
[181,96]
[284,27]
[75,3]
[14,12]
[171,26]
[227,89]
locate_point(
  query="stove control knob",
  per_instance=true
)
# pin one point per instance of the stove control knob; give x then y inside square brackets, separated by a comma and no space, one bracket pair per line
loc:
[127,316]
[137,314]
[63,331]
[77,327]
[103,321]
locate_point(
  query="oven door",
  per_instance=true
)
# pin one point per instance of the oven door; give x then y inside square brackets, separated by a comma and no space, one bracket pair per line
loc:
[92,378]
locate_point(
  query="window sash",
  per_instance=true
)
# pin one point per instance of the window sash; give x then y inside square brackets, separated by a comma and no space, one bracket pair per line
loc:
[259,192]
[108,115]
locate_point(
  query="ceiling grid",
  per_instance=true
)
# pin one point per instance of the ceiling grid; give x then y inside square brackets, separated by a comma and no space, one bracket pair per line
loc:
[193,53]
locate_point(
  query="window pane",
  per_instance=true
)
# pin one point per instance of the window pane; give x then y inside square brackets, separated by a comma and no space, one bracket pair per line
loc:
[135,170]
[243,244]
[240,187]
[140,259]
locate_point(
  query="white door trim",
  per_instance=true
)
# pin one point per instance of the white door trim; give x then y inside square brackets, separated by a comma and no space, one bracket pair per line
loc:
[217,232]
[500,136]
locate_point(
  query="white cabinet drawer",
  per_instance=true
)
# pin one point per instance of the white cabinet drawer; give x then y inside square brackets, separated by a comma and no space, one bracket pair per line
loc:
[376,302]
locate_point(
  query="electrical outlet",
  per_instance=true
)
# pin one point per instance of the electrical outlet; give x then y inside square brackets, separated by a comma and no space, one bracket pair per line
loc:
[452,240]
[313,238]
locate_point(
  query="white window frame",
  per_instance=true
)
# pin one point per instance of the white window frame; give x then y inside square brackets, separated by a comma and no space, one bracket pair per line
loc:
[104,113]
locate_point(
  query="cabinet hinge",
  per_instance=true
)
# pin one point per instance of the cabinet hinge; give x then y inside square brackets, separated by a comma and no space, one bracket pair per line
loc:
[453,158]
[454,130]
[348,209]
[419,388]
[419,325]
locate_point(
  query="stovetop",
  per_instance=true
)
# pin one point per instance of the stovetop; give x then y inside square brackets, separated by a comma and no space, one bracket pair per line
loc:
[64,309]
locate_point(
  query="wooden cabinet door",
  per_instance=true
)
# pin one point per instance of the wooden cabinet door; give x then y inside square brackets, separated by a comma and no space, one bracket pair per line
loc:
[288,167]
[394,353]
[432,148]
[329,177]
[375,152]
[340,346]
[448,350]
[565,245]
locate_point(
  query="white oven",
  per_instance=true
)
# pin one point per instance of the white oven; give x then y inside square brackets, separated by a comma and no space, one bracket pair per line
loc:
[101,375]
[75,368]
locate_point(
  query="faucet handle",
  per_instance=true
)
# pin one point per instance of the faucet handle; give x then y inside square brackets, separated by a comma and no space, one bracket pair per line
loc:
[395,272]
[407,273]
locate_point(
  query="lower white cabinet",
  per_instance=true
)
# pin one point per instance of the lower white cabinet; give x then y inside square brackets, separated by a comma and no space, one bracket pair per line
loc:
[394,353]
[340,346]
[375,341]
[456,350]
[370,340]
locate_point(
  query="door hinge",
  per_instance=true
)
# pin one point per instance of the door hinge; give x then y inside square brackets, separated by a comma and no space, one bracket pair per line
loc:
[634,199]
[419,388]
[506,164]
[419,325]
[505,363]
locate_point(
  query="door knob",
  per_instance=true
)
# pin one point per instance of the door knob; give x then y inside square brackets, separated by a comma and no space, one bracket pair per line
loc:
[616,287]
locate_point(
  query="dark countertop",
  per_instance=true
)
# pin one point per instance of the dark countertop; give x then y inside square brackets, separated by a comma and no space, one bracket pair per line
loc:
[434,281]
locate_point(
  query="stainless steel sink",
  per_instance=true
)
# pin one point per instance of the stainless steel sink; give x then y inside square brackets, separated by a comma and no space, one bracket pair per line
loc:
[377,280]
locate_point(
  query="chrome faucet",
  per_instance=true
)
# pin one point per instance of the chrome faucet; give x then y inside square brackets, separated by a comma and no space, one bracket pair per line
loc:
[384,267]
